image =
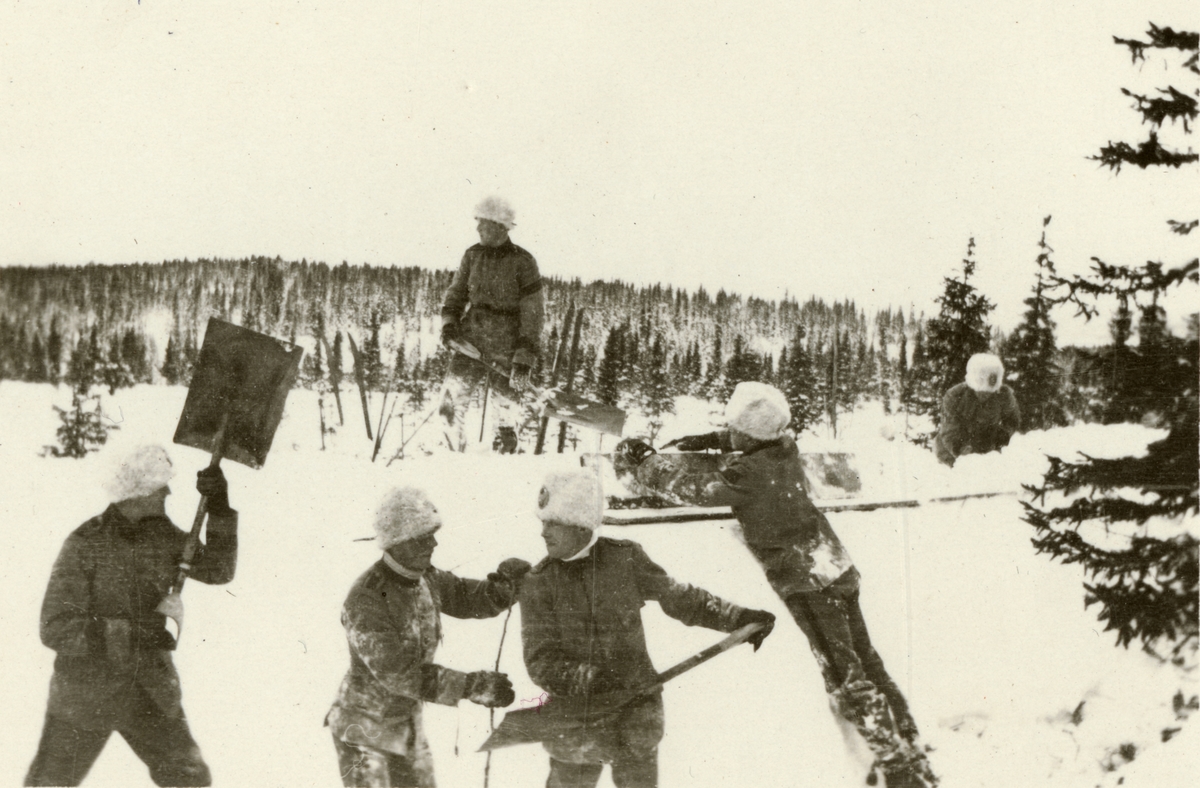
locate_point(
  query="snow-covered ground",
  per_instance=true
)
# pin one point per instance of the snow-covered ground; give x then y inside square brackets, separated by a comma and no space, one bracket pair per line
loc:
[1012,682]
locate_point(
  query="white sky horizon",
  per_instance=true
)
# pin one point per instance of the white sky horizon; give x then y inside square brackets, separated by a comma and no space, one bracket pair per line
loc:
[841,151]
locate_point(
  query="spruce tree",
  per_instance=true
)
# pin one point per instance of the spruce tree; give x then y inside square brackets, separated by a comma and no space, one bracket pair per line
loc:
[797,378]
[958,332]
[1146,583]
[1029,354]
[82,429]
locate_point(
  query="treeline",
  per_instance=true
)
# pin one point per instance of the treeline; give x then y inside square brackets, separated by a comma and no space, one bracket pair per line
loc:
[637,344]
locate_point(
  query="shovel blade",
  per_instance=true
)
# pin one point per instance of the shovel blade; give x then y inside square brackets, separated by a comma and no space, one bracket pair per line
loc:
[557,720]
[585,413]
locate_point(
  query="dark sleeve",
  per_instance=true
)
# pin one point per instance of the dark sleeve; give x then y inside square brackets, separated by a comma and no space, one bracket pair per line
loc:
[681,601]
[395,656]
[67,624]
[216,560]
[951,434]
[546,662]
[1010,418]
[456,294]
[532,308]
[461,597]
[716,488]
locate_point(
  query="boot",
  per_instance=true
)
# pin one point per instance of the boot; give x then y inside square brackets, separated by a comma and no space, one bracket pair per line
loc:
[505,441]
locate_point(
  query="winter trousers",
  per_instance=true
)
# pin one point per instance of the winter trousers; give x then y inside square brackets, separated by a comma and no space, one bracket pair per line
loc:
[464,378]
[366,767]
[859,687]
[164,743]
[629,743]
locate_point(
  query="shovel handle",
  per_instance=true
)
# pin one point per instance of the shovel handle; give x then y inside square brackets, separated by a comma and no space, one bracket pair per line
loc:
[736,638]
[193,540]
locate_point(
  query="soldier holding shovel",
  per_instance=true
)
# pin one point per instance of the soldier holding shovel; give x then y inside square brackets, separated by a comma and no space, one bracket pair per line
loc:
[119,576]
[581,625]
[113,669]
[495,305]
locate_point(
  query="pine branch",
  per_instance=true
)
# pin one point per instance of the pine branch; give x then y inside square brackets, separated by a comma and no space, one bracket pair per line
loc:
[1148,153]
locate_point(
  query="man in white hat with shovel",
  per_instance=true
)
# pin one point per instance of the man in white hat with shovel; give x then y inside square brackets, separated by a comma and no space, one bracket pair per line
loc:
[494,304]
[803,559]
[581,625]
[392,618]
[114,670]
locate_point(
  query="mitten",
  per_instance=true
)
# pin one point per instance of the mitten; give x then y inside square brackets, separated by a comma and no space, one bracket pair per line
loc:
[756,617]
[211,483]
[489,688]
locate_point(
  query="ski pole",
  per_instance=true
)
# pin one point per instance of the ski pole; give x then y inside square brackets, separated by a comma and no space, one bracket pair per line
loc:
[437,406]
[487,765]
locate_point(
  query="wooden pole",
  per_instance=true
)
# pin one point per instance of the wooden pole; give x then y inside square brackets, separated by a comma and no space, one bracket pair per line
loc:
[559,356]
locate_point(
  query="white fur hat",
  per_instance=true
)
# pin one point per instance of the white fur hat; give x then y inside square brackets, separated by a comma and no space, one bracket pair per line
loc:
[571,499]
[985,373]
[758,410]
[405,513]
[140,472]
[496,209]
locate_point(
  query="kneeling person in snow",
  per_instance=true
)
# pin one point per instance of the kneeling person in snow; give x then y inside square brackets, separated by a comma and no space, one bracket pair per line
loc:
[980,414]
[803,559]
[114,669]
[581,625]
[392,618]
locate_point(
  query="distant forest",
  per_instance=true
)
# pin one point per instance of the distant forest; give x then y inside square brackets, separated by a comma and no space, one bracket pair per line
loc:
[638,347]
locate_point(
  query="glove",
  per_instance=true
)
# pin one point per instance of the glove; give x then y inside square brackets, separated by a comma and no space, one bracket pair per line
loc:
[450,333]
[488,688]
[518,377]
[756,617]
[212,485]
[511,571]
[633,451]
[711,440]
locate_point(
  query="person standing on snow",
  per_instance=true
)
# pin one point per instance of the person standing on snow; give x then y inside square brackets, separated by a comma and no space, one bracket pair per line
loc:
[803,559]
[494,303]
[113,669]
[980,414]
[581,626]
[392,618]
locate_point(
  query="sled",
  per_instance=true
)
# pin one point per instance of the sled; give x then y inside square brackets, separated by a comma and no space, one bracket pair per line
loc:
[699,514]
[563,718]
[561,405]
[651,506]
[233,407]
[827,475]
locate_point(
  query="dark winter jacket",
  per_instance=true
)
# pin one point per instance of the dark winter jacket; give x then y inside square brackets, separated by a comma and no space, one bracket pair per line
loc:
[99,612]
[789,536]
[393,626]
[587,612]
[974,423]
[496,302]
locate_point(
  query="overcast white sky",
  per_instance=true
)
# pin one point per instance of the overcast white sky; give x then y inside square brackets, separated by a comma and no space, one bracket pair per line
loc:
[843,149]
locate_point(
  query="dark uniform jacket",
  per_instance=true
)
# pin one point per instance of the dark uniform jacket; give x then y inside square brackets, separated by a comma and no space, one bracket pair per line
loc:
[789,536]
[588,612]
[974,423]
[99,613]
[393,626]
[496,301]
